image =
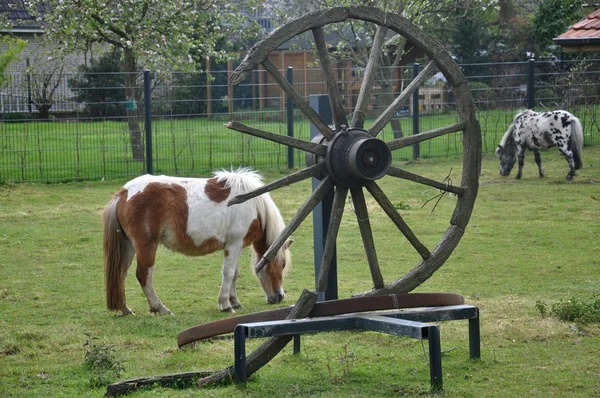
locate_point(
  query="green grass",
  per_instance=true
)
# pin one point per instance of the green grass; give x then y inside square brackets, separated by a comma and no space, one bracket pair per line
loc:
[528,242]
[74,150]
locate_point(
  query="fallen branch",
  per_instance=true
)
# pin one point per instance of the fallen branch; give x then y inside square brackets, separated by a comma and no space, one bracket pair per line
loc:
[178,380]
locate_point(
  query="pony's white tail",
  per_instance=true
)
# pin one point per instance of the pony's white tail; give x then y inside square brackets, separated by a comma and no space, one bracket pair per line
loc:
[115,257]
[577,142]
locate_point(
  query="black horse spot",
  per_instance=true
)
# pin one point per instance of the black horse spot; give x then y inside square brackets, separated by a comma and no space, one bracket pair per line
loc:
[536,142]
[555,117]
[547,136]
[565,121]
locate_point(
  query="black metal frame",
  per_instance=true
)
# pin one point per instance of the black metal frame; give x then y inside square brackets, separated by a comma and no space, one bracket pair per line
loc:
[410,323]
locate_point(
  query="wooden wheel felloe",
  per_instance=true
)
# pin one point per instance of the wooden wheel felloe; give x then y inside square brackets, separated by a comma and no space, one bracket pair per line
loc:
[350,158]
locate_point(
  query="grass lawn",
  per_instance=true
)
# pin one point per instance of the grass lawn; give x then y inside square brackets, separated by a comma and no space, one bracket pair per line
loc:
[529,244]
[74,150]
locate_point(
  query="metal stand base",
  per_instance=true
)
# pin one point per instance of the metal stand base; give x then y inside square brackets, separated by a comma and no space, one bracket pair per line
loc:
[410,323]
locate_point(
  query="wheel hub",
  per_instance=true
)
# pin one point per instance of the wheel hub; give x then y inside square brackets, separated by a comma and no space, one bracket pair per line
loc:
[353,157]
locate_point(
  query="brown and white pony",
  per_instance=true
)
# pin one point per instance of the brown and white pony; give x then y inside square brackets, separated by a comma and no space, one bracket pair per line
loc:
[190,216]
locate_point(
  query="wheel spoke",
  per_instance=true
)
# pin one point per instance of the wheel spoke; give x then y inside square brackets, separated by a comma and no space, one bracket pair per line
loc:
[317,196]
[300,102]
[427,135]
[339,116]
[337,211]
[306,146]
[389,209]
[396,172]
[362,216]
[311,171]
[360,111]
[391,110]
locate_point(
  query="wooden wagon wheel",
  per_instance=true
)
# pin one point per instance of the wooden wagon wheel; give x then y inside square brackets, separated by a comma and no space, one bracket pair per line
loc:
[350,158]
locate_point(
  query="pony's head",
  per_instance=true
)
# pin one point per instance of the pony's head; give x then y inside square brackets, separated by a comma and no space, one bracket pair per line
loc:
[507,159]
[271,275]
[507,149]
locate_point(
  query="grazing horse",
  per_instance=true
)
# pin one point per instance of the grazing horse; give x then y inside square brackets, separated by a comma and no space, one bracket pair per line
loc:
[537,131]
[190,216]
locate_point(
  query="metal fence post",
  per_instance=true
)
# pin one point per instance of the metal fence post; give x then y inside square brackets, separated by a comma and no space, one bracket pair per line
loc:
[148,120]
[530,84]
[415,98]
[290,118]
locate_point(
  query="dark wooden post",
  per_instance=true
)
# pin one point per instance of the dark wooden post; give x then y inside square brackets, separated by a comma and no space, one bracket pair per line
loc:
[321,213]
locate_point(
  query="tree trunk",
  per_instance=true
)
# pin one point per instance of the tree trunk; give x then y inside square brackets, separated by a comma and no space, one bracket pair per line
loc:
[135,133]
[507,11]
[44,111]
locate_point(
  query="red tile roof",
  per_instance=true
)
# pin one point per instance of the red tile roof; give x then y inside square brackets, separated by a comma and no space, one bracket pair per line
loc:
[584,29]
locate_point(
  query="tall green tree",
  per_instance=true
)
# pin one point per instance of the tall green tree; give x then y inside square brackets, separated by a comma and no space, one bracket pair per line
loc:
[12,47]
[160,35]
[100,86]
[553,17]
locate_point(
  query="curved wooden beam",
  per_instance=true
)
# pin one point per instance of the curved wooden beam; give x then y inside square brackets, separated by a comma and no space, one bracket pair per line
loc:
[324,308]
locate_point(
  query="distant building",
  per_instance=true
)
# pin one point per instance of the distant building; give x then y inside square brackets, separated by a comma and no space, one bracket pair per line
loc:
[583,36]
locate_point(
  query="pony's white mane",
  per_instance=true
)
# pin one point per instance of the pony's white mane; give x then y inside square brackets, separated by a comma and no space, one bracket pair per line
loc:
[510,127]
[241,180]
[244,180]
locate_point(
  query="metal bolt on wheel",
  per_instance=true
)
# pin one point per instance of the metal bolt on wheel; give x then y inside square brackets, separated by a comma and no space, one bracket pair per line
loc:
[350,158]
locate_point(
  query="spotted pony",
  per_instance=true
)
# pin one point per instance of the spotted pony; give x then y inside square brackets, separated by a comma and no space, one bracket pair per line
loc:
[537,131]
[190,216]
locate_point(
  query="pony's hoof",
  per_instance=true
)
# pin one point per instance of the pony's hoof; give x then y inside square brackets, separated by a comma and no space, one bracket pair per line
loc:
[236,304]
[161,311]
[230,310]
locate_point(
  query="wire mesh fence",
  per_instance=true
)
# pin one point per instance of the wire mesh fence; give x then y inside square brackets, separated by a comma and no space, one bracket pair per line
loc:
[90,126]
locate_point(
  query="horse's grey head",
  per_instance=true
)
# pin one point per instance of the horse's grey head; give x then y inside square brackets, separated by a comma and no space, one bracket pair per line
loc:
[507,158]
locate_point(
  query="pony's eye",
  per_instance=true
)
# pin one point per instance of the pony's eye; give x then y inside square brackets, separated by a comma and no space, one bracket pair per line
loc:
[283,266]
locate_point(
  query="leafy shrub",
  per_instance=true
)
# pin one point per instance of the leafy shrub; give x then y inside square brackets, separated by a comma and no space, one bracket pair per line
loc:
[100,86]
[545,95]
[185,94]
[579,311]
[101,359]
